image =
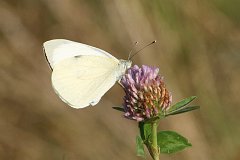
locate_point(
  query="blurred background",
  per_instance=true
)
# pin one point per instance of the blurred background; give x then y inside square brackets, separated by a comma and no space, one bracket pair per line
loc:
[197,50]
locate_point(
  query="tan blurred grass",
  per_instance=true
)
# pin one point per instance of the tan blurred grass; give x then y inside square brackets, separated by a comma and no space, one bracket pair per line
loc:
[197,52]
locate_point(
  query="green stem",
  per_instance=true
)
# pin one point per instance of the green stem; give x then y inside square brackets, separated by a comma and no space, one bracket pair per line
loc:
[154,147]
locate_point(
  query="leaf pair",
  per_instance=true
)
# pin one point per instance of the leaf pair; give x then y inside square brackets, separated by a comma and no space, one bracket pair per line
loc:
[181,107]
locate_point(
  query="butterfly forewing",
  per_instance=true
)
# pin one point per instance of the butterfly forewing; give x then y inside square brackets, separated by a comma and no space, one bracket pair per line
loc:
[60,49]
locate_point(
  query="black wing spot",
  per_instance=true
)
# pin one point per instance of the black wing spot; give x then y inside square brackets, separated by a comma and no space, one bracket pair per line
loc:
[78,56]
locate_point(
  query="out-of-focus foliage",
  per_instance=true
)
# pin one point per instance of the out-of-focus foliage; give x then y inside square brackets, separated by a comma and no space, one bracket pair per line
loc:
[198,52]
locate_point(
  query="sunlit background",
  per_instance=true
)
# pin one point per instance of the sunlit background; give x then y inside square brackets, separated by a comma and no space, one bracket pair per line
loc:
[197,50]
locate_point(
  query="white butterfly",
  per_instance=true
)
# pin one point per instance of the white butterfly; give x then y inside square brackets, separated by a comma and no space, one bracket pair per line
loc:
[82,74]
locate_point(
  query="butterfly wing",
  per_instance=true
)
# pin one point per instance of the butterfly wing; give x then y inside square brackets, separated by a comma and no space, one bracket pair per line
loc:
[81,81]
[57,50]
[82,74]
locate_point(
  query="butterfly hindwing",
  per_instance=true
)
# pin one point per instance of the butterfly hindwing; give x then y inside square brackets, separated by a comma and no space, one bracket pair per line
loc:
[83,80]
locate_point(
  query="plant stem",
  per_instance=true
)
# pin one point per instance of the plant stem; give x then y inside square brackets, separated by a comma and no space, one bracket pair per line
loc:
[154,147]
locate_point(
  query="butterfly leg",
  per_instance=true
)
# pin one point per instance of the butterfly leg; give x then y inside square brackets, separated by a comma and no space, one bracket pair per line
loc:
[119,82]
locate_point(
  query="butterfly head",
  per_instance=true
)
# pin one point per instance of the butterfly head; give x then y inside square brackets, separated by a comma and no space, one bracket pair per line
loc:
[123,65]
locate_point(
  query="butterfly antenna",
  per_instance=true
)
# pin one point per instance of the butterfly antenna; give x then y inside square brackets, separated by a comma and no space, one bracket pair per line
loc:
[129,55]
[142,49]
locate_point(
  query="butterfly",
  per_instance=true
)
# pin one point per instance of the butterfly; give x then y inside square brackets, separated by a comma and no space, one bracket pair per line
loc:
[82,74]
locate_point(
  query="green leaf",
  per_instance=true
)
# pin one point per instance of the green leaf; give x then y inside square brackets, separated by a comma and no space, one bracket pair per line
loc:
[181,104]
[119,109]
[183,110]
[140,146]
[171,142]
[145,130]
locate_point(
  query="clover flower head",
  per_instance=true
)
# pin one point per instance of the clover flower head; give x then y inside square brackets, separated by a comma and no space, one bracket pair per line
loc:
[146,94]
